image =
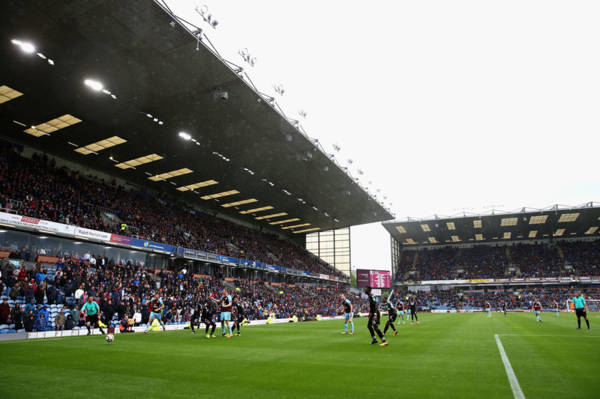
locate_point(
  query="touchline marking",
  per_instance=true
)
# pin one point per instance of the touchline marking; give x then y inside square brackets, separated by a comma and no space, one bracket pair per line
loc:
[512,378]
[568,336]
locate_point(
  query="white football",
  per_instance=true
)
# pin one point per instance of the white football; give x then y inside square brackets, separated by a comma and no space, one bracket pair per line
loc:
[110,338]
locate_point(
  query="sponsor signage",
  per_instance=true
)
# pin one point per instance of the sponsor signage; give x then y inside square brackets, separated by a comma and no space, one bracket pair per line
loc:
[92,234]
[35,224]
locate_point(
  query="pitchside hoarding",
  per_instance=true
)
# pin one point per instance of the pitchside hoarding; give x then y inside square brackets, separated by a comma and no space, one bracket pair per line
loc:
[373,278]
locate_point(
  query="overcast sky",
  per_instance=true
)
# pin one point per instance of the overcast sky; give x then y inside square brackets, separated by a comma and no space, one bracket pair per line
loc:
[445,105]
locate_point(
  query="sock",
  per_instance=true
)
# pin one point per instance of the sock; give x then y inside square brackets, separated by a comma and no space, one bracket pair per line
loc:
[88,327]
[578,323]
[206,329]
[213,329]
[588,323]
[393,328]
[386,327]
[223,328]
[230,332]
[345,327]
[352,325]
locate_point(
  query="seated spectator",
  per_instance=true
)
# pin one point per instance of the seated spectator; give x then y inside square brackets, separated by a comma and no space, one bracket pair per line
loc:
[124,325]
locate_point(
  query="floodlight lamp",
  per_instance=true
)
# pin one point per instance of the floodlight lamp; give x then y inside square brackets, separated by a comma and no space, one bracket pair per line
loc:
[93,84]
[26,47]
[185,136]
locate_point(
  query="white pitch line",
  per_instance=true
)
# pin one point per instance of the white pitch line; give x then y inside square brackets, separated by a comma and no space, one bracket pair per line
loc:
[512,378]
[567,336]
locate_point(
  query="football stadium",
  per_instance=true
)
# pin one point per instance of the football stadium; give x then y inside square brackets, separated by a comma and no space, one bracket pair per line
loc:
[167,230]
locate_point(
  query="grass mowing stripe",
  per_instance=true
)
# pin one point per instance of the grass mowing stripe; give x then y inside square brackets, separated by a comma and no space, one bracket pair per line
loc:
[512,378]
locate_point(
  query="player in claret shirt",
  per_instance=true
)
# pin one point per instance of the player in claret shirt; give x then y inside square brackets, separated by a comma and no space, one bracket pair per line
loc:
[226,305]
[374,318]
[156,307]
[504,308]
[400,308]
[348,315]
[392,315]
[537,308]
[488,309]
[555,307]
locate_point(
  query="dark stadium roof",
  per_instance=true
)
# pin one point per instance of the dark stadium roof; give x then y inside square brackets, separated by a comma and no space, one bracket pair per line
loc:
[526,224]
[152,66]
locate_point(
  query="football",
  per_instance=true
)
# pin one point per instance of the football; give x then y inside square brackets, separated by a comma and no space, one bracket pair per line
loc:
[110,338]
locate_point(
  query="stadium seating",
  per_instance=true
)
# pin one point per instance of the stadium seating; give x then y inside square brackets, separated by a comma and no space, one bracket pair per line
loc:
[37,188]
[560,258]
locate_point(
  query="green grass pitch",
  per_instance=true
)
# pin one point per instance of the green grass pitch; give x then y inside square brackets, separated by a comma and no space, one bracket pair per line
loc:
[446,356]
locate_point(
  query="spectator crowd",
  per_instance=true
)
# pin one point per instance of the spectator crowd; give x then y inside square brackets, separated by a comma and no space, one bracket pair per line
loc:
[561,258]
[40,299]
[37,187]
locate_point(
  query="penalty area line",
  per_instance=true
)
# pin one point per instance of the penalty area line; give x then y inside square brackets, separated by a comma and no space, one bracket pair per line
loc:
[512,378]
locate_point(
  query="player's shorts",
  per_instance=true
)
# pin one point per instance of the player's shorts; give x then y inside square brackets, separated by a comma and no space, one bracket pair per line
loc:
[225,316]
[207,319]
[348,316]
[393,317]
[374,320]
[537,312]
[487,309]
[401,312]
[154,315]
[580,312]
[92,318]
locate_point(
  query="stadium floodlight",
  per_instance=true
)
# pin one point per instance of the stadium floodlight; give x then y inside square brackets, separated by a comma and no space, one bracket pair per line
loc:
[94,84]
[247,57]
[185,136]
[207,16]
[26,47]
[279,89]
